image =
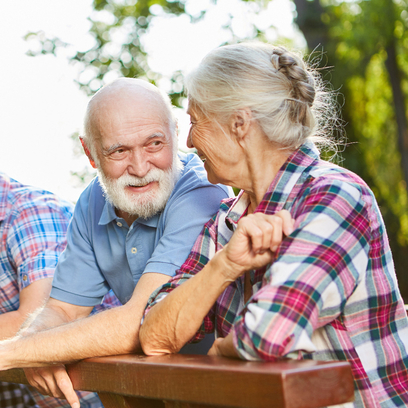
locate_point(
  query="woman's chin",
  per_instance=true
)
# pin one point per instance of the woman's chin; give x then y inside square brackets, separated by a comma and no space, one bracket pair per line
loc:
[213,179]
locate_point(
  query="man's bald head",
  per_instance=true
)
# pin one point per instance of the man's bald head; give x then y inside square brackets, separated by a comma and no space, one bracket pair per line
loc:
[127,96]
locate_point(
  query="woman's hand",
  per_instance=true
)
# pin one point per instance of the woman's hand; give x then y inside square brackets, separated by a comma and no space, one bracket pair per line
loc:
[223,347]
[255,241]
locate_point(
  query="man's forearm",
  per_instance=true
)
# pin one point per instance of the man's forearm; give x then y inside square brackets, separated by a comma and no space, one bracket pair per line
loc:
[22,323]
[10,323]
[41,319]
[102,334]
[114,331]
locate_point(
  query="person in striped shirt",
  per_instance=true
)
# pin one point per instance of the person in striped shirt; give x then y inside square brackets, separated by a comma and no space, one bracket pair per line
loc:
[298,265]
[33,227]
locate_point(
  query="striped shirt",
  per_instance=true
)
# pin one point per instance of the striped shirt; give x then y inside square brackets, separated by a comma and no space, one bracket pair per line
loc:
[33,225]
[331,292]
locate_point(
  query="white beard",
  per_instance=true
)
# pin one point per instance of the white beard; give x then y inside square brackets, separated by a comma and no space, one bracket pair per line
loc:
[143,205]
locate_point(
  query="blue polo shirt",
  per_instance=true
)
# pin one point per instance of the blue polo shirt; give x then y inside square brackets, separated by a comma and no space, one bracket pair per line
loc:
[103,253]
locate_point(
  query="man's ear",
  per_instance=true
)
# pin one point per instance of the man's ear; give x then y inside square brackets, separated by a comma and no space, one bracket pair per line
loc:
[240,123]
[88,153]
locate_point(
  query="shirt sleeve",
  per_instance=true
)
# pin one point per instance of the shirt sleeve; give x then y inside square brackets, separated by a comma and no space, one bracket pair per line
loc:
[184,220]
[77,278]
[37,236]
[316,269]
[201,253]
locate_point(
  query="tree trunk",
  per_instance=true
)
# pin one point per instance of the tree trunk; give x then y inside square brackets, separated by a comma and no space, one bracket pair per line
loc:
[399,102]
[310,23]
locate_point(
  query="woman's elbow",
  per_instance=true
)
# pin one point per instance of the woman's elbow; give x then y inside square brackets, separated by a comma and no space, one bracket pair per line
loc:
[154,344]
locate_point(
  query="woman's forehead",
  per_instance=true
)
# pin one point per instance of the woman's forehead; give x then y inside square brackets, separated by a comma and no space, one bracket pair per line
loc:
[194,110]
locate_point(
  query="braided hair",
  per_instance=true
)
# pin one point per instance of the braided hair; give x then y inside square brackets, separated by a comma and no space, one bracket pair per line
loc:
[285,96]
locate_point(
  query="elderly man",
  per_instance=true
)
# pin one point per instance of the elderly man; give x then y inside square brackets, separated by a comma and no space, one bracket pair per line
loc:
[33,225]
[135,224]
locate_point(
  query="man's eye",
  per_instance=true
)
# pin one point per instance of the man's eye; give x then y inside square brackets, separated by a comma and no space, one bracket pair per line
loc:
[117,153]
[154,145]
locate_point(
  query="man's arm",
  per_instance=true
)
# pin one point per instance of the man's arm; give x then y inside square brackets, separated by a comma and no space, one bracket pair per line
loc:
[31,298]
[53,380]
[115,331]
[54,313]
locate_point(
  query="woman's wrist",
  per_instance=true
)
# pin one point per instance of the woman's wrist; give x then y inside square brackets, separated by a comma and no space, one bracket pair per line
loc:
[226,268]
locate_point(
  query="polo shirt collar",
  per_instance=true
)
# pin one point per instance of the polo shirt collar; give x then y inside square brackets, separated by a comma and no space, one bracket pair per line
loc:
[108,215]
[150,222]
[279,190]
[4,191]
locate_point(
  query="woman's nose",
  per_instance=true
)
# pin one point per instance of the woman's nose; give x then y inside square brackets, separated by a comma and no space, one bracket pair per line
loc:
[189,140]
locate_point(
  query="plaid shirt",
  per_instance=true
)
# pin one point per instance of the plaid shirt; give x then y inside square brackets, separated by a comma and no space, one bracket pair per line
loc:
[33,224]
[330,294]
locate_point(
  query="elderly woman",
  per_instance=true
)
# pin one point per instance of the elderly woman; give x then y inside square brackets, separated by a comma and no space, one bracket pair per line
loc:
[327,290]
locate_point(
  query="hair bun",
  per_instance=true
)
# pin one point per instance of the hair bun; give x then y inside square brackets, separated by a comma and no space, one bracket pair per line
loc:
[295,70]
[275,61]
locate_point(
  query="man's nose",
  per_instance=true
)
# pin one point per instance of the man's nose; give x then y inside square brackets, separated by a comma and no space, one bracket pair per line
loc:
[138,165]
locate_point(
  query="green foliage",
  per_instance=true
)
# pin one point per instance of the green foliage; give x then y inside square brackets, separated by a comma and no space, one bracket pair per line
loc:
[359,39]
[356,38]
[361,33]
[371,99]
[117,27]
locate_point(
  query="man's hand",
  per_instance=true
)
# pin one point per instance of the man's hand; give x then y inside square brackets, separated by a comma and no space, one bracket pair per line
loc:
[53,381]
[255,240]
[223,347]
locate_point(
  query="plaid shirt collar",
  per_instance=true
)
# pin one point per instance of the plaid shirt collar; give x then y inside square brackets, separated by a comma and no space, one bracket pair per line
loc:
[279,190]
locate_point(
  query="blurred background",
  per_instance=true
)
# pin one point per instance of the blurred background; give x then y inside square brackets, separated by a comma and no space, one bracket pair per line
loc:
[56,54]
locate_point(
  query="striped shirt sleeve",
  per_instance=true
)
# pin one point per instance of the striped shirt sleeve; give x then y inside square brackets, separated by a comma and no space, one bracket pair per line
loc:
[315,271]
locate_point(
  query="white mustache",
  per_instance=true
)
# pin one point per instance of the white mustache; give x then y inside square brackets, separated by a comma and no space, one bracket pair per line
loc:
[128,180]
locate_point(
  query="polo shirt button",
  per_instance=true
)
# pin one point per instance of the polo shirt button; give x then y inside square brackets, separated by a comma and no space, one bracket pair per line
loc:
[25,278]
[119,224]
[134,250]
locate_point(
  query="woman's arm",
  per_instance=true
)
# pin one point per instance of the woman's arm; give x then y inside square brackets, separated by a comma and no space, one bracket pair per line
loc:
[173,321]
[224,347]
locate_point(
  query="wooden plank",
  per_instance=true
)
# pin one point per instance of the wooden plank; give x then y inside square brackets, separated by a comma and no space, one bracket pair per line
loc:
[16,375]
[194,381]
[219,381]
[110,400]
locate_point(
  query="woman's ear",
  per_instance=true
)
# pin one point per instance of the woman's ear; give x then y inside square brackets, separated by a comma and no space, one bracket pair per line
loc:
[88,153]
[240,123]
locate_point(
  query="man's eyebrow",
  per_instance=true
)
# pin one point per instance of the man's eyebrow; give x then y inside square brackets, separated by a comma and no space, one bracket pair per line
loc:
[156,134]
[111,148]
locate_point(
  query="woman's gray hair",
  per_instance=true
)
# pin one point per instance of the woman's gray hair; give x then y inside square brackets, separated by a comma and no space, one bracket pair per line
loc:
[285,96]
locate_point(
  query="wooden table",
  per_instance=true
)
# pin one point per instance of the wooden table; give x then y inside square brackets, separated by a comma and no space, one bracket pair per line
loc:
[192,381]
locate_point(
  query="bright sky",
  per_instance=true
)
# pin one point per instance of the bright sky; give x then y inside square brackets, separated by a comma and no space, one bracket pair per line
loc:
[40,104]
